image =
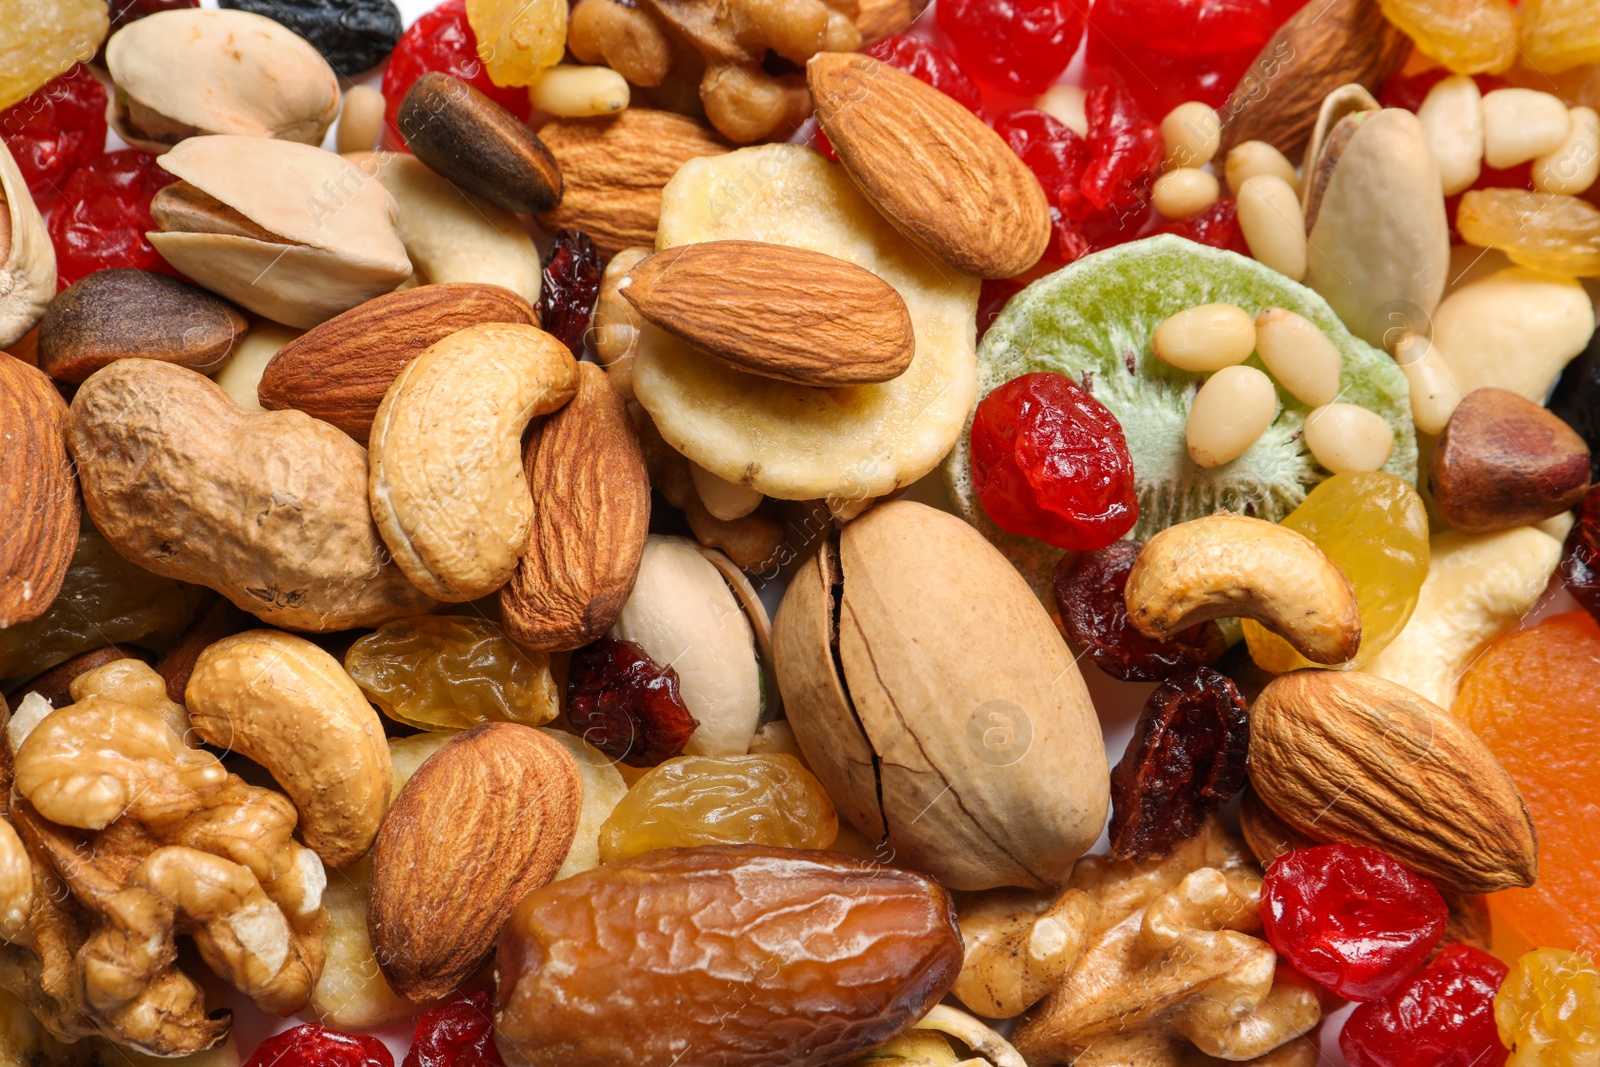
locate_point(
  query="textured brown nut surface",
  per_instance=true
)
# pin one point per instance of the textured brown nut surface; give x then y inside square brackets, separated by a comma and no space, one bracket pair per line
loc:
[738,956]
[478,145]
[487,819]
[946,180]
[54,684]
[123,313]
[1504,461]
[339,371]
[37,498]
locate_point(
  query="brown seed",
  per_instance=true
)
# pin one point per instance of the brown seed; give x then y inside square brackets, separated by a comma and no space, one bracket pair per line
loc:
[1504,461]
[54,683]
[479,145]
[38,495]
[126,313]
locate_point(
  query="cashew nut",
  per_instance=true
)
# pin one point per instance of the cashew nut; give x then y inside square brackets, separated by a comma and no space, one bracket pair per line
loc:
[446,483]
[289,706]
[1020,945]
[1230,565]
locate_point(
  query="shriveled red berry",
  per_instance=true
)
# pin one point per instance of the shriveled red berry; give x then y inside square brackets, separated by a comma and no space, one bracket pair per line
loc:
[1441,1016]
[1056,155]
[1352,918]
[317,1046]
[1020,46]
[442,40]
[104,213]
[56,130]
[1216,226]
[569,287]
[626,704]
[1125,146]
[1050,461]
[457,1033]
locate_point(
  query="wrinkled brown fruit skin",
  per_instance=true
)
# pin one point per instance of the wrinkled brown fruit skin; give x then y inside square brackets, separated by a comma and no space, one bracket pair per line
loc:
[722,957]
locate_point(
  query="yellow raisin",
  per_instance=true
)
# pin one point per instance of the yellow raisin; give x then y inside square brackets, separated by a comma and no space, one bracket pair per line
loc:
[1545,231]
[767,799]
[42,38]
[518,40]
[1468,36]
[450,672]
[1548,1010]
[1558,35]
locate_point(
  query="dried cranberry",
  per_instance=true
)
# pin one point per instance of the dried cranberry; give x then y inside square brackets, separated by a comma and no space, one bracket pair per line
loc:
[1088,590]
[1049,461]
[1351,917]
[993,297]
[1217,226]
[56,130]
[442,40]
[1126,147]
[1580,556]
[317,1046]
[570,285]
[1017,45]
[1441,1016]
[1186,758]
[458,1033]
[931,64]
[104,214]
[1056,155]
[627,705]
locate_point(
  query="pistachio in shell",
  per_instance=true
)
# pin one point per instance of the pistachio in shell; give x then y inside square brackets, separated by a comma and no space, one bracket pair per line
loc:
[27,258]
[479,145]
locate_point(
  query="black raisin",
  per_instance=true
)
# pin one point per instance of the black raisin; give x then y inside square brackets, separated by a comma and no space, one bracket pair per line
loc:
[353,35]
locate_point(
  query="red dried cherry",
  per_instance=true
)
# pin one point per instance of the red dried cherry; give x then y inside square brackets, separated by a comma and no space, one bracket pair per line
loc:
[104,214]
[569,287]
[56,130]
[1352,918]
[317,1046]
[458,1033]
[626,704]
[1126,147]
[1442,1016]
[1216,226]
[442,40]
[1049,461]
[1017,45]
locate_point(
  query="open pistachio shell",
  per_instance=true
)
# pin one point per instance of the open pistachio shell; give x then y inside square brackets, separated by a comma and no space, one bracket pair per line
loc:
[27,258]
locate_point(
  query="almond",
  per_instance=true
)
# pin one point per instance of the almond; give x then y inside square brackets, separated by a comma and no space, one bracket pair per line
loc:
[935,170]
[614,170]
[339,371]
[486,820]
[1351,757]
[38,495]
[776,311]
[591,499]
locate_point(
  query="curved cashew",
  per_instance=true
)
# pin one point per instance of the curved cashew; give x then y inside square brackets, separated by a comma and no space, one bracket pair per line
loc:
[446,482]
[16,884]
[1230,565]
[1020,945]
[289,706]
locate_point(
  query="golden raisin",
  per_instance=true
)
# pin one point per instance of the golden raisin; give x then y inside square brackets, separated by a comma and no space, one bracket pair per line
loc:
[1558,35]
[1468,36]
[1548,1010]
[1545,231]
[518,39]
[768,799]
[39,40]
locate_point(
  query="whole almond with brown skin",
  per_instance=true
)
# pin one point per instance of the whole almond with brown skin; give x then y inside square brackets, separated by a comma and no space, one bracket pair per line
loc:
[339,371]
[615,168]
[486,820]
[935,170]
[1504,461]
[38,494]
[591,515]
[1350,757]
[777,311]
[477,144]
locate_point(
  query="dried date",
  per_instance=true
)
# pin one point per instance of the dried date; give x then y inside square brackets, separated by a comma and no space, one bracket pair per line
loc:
[353,35]
[626,704]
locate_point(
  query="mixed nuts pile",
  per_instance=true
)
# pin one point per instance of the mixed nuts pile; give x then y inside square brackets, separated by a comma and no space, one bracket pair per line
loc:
[384,607]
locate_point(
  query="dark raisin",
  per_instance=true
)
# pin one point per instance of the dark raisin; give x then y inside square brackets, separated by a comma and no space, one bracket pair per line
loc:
[1580,557]
[353,35]
[626,704]
[570,285]
[1186,758]
[1089,597]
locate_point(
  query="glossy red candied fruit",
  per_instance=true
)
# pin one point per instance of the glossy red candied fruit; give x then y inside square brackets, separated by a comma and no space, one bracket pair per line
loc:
[104,214]
[441,40]
[56,130]
[457,1033]
[1350,917]
[317,1046]
[626,704]
[570,284]
[926,62]
[1049,461]
[1058,157]
[1441,1016]
[1125,147]
[1216,226]
[1020,46]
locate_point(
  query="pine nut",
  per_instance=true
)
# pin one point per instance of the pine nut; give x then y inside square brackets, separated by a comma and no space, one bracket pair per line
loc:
[1230,412]
[360,120]
[724,499]
[1299,356]
[1250,158]
[575,92]
[1434,389]
[1205,338]
[1193,133]
[1347,438]
[1064,103]
[1452,121]
[1522,124]
[1573,167]
[1273,225]
[1186,191]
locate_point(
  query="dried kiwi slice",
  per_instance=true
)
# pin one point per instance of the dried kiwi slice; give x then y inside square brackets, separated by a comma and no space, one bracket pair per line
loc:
[1093,320]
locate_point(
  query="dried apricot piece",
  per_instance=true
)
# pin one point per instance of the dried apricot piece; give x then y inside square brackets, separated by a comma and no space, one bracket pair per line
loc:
[1545,231]
[1468,36]
[1558,35]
